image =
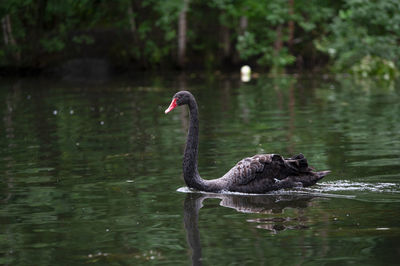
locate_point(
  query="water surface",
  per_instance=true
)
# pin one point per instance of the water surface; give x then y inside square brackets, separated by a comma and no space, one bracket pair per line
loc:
[91,172]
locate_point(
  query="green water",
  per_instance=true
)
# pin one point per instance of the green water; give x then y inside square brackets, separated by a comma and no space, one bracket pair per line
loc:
[91,172]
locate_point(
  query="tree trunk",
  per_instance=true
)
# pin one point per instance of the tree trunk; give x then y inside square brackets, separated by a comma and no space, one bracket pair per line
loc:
[5,32]
[136,41]
[243,23]
[278,41]
[225,41]
[41,11]
[182,38]
[8,35]
[276,68]
[132,22]
[291,24]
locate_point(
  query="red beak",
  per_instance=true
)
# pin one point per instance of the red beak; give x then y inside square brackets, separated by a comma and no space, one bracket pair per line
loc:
[172,105]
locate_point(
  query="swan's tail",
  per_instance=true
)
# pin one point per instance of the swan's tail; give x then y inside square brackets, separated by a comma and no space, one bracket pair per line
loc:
[310,180]
[301,172]
[322,174]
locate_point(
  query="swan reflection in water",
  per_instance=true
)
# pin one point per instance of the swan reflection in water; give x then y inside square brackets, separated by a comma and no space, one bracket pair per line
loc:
[263,204]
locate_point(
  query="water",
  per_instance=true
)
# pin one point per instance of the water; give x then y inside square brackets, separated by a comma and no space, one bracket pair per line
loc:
[91,172]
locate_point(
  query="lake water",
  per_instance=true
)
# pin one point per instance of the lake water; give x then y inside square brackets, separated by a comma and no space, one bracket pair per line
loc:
[91,172]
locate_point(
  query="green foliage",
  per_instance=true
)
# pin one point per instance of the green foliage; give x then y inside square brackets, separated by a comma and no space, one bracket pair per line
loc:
[268,23]
[52,45]
[83,39]
[365,38]
[360,36]
[375,66]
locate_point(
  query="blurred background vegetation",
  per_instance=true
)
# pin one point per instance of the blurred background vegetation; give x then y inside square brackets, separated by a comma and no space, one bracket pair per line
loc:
[352,36]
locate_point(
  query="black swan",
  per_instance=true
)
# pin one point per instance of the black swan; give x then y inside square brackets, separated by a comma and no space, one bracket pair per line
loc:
[258,174]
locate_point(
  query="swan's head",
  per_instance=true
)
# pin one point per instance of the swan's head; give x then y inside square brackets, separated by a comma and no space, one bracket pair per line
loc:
[180,98]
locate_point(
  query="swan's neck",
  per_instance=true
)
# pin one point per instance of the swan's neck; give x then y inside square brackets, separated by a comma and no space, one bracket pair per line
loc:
[190,172]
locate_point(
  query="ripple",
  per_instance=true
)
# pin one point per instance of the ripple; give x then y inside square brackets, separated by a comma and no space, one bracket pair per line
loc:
[287,192]
[346,185]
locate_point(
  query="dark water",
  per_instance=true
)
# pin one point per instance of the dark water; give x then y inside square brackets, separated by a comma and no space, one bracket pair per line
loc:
[91,172]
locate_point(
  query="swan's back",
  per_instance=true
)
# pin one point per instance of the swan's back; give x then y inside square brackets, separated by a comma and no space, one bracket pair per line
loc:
[265,172]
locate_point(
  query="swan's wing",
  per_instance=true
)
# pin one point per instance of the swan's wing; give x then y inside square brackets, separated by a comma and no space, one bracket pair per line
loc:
[247,169]
[267,166]
[266,172]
